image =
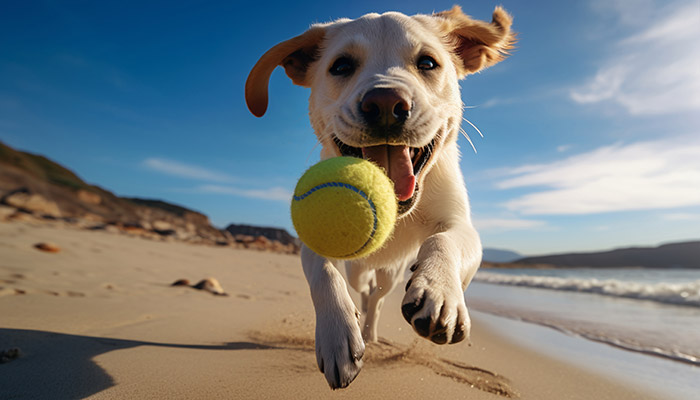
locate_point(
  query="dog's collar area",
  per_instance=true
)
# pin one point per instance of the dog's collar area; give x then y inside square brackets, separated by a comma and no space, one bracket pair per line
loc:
[419,155]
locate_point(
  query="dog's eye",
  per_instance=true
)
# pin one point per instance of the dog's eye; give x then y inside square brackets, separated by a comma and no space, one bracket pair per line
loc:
[426,63]
[344,66]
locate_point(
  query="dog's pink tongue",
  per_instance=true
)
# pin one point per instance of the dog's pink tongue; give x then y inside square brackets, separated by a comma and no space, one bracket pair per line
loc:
[396,161]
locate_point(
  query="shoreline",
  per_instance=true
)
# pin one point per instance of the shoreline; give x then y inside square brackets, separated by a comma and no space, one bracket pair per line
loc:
[636,369]
[99,320]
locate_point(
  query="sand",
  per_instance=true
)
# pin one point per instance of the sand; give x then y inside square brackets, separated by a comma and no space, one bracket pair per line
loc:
[99,320]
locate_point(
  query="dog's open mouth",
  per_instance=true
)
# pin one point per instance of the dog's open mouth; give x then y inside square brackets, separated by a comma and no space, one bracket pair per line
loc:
[402,164]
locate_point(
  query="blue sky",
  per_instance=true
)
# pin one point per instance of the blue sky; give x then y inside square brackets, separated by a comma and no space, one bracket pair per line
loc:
[590,128]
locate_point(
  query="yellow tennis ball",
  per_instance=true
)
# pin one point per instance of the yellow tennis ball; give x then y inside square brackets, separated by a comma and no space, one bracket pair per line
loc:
[344,208]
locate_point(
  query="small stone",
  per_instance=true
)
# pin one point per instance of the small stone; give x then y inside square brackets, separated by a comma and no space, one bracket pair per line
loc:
[48,247]
[210,285]
[6,212]
[9,355]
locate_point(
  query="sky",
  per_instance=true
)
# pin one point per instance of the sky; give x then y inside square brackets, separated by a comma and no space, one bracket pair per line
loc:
[590,127]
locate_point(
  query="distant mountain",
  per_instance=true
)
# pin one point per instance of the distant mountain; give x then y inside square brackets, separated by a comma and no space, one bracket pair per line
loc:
[500,255]
[672,255]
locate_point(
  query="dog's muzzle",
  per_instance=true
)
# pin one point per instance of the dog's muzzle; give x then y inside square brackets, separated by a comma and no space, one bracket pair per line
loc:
[385,111]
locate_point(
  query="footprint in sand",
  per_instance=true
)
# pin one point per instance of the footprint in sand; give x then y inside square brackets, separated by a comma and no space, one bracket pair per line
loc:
[387,353]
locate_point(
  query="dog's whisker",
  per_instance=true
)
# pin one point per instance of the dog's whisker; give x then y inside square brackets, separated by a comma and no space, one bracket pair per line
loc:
[468,138]
[473,126]
[308,158]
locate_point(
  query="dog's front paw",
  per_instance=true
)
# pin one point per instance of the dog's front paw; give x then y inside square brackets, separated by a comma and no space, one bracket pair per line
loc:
[434,305]
[339,347]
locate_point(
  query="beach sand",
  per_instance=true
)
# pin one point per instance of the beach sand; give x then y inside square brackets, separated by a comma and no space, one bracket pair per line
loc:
[99,319]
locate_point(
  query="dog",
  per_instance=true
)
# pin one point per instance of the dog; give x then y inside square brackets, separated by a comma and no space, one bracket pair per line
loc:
[385,87]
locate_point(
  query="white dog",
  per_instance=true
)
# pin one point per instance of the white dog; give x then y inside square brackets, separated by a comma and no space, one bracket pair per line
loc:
[385,87]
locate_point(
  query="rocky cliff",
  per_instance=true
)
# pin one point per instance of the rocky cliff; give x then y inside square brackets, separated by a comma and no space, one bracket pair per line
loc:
[32,187]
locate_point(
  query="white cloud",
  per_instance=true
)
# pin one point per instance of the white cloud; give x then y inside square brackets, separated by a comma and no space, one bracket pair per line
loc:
[681,217]
[506,224]
[182,170]
[627,12]
[639,176]
[654,71]
[564,147]
[189,171]
[274,193]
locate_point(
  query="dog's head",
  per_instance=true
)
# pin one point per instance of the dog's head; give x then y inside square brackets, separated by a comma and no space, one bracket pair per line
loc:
[385,87]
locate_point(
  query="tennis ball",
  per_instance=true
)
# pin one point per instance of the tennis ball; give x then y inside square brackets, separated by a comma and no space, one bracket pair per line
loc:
[344,208]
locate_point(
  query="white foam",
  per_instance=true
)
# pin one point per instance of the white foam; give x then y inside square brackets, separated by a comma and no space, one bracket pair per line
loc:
[687,293]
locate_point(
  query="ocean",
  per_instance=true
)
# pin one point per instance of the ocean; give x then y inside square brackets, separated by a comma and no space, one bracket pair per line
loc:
[652,311]
[639,325]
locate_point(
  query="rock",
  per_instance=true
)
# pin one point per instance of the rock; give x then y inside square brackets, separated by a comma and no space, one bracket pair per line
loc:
[133,229]
[211,285]
[161,226]
[111,228]
[244,239]
[89,197]
[183,235]
[48,247]
[21,216]
[6,212]
[96,227]
[262,240]
[10,354]
[32,202]
[167,232]
[146,225]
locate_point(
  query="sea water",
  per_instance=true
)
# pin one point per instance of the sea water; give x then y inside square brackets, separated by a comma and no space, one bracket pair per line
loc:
[646,310]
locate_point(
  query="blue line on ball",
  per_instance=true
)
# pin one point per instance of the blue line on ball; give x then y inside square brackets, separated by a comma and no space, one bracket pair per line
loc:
[356,190]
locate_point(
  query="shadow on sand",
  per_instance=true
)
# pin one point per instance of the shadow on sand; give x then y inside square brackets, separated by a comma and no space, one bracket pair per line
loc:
[60,366]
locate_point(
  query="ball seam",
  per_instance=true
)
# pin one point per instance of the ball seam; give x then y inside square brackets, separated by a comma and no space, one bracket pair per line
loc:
[356,190]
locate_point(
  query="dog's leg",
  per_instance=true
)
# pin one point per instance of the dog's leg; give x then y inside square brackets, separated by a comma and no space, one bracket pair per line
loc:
[386,281]
[434,301]
[362,280]
[339,345]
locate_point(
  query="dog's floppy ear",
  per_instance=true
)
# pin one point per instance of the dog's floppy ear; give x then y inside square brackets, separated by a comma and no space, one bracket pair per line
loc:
[477,44]
[294,55]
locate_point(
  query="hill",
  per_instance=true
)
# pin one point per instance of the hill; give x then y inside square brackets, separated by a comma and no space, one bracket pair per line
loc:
[671,255]
[500,255]
[35,187]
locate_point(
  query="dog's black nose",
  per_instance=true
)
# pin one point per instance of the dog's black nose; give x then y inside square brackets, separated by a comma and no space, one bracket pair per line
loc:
[385,108]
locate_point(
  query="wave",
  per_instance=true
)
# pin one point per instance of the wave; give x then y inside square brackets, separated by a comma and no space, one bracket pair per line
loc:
[630,340]
[687,294]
